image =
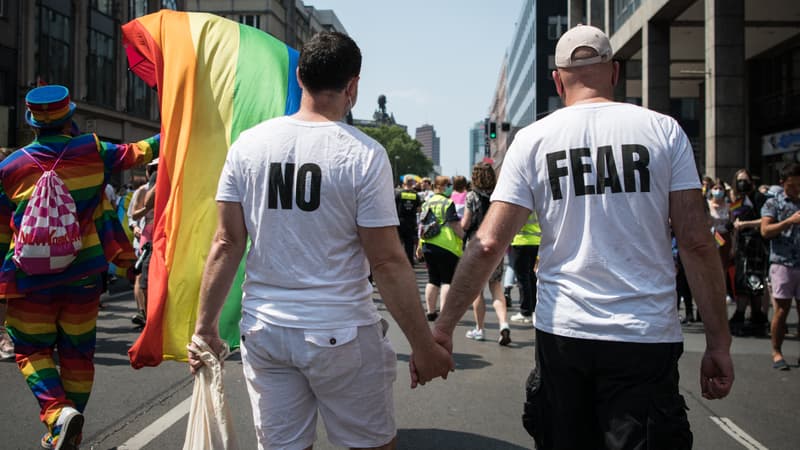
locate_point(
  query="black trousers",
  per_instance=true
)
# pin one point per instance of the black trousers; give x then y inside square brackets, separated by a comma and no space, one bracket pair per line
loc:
[587,394]
[524,259]
[408,237]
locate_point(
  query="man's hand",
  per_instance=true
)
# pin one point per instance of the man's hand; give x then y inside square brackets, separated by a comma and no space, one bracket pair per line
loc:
[442,338]
[430,363]
[794,219]
[716,374]
[217,345]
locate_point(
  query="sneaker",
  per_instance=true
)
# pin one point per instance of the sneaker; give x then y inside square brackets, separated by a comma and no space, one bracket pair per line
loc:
[432,316]
[476,334]
[6,345]
[505,335]
[67,430]
[47,441]
[139,319]
[519,317]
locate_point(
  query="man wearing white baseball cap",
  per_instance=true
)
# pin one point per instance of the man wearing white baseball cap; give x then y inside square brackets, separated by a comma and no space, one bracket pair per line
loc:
[606,180]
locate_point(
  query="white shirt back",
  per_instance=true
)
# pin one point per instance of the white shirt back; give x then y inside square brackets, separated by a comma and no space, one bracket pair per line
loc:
[599,176]
[304,188]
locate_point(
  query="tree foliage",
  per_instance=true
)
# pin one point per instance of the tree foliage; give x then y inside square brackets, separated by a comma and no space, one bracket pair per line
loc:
[405,153]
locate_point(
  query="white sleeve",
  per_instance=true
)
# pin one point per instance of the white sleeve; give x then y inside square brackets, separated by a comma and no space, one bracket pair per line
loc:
[131,206]
[684,170]
[375,205]
[514,182]
[227,187]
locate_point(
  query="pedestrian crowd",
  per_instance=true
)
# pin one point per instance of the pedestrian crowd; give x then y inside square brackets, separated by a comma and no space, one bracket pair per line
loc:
[579,218]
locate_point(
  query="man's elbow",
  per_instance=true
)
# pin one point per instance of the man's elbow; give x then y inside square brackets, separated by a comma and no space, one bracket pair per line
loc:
[229,244]
[487,246]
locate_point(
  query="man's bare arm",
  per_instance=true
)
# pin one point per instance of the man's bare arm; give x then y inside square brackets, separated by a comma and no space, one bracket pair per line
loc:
[227,249]
[700,258]
[397,285]
[484,252]
[771,227]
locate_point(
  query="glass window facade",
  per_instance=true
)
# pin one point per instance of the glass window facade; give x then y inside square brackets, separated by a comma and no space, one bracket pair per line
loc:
[100,68]
[140,95]
[251,20]
[556,26]
[54,32]
[622,11]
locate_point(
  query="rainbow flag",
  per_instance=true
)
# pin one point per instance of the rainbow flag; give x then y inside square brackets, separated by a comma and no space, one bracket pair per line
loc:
[215,78]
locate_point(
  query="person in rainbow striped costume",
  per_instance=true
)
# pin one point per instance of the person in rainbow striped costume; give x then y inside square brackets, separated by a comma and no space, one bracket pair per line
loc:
[58,312]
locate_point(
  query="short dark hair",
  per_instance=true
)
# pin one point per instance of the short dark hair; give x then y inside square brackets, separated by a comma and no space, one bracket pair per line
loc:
[328,62]
[790,170]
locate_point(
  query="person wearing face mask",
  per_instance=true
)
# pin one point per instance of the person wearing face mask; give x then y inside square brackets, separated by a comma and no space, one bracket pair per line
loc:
[721,225]
[749,256]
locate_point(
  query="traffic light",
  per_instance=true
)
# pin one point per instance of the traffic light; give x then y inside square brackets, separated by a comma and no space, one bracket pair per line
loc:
[492,130]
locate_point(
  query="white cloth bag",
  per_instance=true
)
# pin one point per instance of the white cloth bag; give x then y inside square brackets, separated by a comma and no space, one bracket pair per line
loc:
[210,424]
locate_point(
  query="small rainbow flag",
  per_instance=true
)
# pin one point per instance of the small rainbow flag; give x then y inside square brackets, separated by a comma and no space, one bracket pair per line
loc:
[720,240]
[215,78]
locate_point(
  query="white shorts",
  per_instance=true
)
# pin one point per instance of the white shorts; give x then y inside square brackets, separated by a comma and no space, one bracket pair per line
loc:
[346,374]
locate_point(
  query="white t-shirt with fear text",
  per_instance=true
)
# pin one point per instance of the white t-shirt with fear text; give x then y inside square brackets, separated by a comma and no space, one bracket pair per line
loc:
[305,187]
[598,176]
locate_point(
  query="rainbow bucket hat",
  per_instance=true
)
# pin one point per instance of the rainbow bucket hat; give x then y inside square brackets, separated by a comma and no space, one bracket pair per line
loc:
[48,106]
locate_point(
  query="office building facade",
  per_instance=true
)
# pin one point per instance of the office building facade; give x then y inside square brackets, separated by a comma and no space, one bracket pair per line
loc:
[426,135]
[525,90]
[727,70]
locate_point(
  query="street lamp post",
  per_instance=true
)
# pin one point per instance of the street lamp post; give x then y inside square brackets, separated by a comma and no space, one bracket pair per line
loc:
[396,167]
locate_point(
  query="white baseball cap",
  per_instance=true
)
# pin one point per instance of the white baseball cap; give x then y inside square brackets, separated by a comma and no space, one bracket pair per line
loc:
[153,162]
[583,36]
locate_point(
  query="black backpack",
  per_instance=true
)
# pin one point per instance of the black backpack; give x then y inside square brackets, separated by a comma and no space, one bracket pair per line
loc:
[430,226]
[477,216]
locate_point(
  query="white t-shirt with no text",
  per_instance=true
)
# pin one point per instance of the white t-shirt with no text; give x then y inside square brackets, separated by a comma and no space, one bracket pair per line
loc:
[305,187]
[599,175]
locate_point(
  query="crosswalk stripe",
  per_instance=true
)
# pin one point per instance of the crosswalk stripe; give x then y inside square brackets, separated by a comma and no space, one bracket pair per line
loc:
[158,427]
[737,433]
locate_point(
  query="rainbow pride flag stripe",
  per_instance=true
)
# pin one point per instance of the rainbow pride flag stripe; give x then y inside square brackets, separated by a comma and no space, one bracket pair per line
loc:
[215,78]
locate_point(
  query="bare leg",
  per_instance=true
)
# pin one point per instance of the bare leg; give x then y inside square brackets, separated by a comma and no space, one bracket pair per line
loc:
[499,304]
[139,295]
[431,293]
[479,311]
[445,289]
[778,328]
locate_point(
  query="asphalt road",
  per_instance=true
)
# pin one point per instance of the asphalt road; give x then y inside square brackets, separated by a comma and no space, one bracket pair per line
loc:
[478,407]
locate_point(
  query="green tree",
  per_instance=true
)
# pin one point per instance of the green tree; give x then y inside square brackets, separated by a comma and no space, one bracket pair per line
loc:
[405,153]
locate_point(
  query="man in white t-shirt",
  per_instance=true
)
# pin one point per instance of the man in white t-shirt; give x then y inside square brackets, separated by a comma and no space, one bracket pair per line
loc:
[315,198]
[605,179]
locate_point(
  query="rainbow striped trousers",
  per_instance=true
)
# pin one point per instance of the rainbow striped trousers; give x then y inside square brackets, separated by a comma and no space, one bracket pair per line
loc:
[58,320]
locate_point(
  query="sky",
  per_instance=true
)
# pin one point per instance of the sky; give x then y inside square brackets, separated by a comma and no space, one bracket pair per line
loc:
[437,62]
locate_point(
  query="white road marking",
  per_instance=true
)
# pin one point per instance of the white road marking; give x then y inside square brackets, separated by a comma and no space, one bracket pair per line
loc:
[158,427]
[737,433]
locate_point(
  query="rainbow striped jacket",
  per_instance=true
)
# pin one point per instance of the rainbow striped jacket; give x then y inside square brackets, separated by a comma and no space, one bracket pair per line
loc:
[85,170]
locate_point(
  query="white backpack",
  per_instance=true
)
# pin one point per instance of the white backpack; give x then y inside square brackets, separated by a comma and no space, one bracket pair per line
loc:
[49,236]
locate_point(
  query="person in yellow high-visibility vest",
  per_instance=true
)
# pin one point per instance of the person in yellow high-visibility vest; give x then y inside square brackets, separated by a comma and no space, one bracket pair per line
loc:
[524,249]
[442,251]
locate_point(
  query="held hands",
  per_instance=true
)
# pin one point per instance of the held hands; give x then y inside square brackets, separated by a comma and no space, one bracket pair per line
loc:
[716,374]
[436,361]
